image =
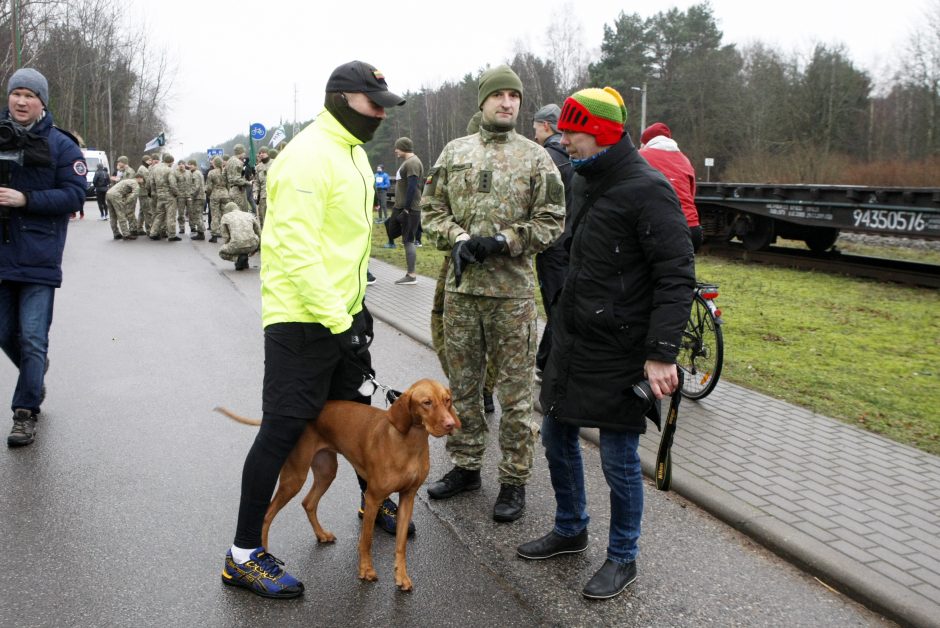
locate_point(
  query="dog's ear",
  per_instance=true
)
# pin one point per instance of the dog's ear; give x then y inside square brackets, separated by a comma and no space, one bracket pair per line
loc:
[400,412]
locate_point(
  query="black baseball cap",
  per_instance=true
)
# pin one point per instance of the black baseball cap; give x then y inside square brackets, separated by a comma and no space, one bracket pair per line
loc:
[362,77]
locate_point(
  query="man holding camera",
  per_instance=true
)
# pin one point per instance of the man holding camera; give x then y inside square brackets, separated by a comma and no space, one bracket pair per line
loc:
[42,181]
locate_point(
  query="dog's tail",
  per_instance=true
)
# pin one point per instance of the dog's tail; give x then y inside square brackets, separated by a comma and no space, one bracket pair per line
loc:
[237,417]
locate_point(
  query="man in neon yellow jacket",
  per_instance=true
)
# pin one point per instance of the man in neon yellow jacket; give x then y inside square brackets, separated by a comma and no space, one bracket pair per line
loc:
[314,254]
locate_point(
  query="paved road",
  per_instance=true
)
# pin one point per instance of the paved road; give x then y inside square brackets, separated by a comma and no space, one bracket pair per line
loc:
[120,513]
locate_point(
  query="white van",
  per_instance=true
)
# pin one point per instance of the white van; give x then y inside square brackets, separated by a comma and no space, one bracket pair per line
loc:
[93,158]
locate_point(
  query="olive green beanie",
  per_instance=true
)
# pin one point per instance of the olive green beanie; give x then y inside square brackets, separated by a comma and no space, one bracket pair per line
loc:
[495,79]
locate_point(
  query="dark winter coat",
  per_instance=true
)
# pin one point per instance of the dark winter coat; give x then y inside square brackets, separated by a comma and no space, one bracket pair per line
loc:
[53,190]
[627,295]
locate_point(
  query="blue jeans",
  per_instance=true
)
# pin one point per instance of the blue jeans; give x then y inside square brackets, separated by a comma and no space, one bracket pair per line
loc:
[25,317]
[620,462]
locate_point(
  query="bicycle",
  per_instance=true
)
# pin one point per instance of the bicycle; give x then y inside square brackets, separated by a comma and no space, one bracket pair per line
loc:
[702,349]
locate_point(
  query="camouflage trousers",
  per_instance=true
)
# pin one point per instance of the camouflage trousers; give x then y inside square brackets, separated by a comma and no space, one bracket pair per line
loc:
[164,217]
[194,212]
[145,215]
[231,250]
[262,209]
[437,330]
[505,329]
[121,217]
[182,211]
[238,197]
[216,204]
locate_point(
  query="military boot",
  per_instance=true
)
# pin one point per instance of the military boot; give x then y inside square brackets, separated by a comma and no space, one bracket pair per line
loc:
[455,481]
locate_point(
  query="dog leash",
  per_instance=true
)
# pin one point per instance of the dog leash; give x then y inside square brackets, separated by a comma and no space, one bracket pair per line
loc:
[390,393]
[664,457]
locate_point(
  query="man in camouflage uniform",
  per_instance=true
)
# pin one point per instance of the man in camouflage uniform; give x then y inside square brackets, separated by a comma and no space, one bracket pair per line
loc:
[235,178]
[196,225]
[493,199]
[144,217]
[184,199]
[261,179]
[124,171]
[121,200]
[241,236]
[163,187]
[218,197]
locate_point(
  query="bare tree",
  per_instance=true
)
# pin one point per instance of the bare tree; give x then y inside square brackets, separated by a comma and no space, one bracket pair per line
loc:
[564,41]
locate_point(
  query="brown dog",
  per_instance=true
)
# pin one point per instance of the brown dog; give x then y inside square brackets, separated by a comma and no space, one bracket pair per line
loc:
[387,448]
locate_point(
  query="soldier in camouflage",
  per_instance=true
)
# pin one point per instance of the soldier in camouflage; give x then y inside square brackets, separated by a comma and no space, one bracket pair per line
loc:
[218,196]
[241,236]
[184,200]
[235,178]
[124,170]
[144,219]
[261,178]
[493,200]
[163,187]
[196,225]
[121,200]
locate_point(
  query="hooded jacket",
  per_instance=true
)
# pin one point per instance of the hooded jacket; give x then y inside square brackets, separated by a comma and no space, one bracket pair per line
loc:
[37,231]
[627,295]
[318,228]
[663,153]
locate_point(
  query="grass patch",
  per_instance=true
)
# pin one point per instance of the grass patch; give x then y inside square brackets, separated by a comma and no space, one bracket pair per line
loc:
[864,352]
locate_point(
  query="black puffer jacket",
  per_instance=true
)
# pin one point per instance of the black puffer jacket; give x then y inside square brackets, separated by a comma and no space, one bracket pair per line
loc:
[627,295]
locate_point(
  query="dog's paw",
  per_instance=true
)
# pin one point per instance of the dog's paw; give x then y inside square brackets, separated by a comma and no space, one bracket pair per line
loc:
[366,572]
[403,583]
[326,537]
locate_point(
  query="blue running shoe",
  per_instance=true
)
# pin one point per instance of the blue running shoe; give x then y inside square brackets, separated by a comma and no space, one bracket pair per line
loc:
[262,575]
[387,517]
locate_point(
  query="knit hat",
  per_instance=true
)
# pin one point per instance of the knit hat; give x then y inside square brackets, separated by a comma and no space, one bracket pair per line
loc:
[168,158]
[599,112]
[238,149]
[655,130]
[548,113]
[217,161]
[405,144]
[230,207]
[272,153]
[495,79]
[122,160]
[192,162]
[32,80]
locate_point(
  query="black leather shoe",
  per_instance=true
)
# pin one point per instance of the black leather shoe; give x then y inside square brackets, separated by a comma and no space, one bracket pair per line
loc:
[488,406]
[174,239]
[610,580]
[198,236]
[214,238]
[510,504]
[455,481]
[155,238]
[553,544]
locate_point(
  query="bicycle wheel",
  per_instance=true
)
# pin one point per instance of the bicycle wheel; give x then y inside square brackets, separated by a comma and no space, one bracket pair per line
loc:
[702,351]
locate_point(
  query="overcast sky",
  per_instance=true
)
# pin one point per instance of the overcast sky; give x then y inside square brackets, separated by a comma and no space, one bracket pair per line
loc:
[243,61]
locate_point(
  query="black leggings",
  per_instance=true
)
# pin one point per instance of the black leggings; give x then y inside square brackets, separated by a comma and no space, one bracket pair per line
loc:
[275,440]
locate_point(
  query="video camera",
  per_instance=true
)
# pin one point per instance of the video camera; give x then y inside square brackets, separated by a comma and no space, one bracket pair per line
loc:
[13,140]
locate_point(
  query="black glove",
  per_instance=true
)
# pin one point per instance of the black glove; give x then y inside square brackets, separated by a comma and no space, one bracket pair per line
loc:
[461,256]
[482,247]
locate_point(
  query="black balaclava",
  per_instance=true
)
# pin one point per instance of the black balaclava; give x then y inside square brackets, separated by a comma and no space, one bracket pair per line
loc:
[363,127]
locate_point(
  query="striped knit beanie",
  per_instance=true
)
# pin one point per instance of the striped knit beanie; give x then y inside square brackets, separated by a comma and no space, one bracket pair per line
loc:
[599,112]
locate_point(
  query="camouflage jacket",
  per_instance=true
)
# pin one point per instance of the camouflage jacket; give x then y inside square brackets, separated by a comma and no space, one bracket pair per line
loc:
[240,229]
[491,183]
[124,193]
[199,184]
[184,182]
[233,173]
[163,182]
[215,184]
[145,173]
[261,178]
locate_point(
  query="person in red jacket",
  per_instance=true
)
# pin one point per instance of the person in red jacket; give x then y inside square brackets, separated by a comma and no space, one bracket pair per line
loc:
[662,152]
